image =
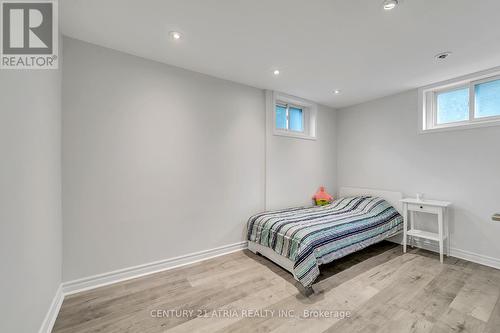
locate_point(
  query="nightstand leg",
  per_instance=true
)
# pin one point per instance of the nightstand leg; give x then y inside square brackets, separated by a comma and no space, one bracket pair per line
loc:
[405,225]
[447,224]
[412,227]
[440,226]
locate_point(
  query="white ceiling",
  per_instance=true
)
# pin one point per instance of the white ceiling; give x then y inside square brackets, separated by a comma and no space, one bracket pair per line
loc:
[318,45]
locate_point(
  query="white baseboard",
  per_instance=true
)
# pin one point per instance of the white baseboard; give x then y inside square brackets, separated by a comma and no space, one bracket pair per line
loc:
[456,253]
[75,286]
[51,316]
[477,258]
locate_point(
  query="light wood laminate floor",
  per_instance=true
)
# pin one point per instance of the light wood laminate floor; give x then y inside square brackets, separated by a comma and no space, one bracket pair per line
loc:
[379,288]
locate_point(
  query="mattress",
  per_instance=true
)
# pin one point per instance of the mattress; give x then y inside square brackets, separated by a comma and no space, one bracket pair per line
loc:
[312,236]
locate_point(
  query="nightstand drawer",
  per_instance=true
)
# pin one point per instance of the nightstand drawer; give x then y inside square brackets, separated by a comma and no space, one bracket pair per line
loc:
[423,208]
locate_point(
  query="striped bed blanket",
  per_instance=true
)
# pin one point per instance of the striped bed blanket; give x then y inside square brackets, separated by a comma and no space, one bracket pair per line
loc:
[311,236]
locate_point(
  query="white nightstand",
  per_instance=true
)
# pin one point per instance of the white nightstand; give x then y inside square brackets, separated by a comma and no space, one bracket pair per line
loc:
[432,207]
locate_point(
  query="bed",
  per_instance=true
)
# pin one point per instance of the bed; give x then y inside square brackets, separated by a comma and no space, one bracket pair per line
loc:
[301,239]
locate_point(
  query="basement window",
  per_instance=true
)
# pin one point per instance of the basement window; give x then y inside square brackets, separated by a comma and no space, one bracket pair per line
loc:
[292,116]
[467,102]
[289,118]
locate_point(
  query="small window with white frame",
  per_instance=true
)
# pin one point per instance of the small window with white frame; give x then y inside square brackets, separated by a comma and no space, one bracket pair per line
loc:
[472,101]
[292,116]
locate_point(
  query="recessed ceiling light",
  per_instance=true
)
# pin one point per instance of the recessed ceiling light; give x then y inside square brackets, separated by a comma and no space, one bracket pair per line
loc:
[276,72]
[336,91]
[175,35]
[442,56]
[390,4]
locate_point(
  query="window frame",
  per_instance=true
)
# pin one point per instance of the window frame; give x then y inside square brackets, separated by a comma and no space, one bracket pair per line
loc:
[309,115]
[434,109]
[428,103]
[288,106]
[472,99]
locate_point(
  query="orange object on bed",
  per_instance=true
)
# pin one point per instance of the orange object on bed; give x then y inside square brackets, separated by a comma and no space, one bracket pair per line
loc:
[322,198]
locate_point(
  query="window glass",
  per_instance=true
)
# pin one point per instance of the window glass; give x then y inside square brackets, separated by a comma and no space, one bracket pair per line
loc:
[281,117]
[453,106]
[487,97]
[296,119]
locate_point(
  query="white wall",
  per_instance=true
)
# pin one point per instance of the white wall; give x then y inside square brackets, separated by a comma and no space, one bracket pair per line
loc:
[157,161]
[30,197]
[298,167]
[160,162]
[379,147]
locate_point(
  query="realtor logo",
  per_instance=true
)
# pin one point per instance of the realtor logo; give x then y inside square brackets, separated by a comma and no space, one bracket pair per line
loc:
[29,34]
